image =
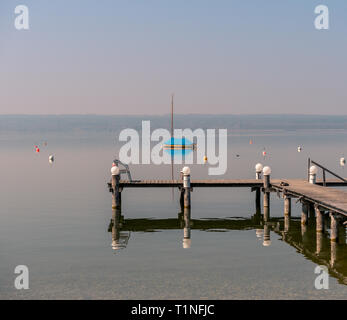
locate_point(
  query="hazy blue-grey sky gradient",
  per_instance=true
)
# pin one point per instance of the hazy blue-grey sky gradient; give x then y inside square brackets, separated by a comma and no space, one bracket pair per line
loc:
[127,57]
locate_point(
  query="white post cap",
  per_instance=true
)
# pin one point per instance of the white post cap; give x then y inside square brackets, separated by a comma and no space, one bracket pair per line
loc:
[186,171]
[258,167]
[266,171]
[313,170]
[115,171]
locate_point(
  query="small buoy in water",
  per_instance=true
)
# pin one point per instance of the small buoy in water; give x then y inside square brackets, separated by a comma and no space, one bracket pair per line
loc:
[342,162]
[37,150]
[250,141]
[264,153]
[205,159]
[51,159]
[299,149]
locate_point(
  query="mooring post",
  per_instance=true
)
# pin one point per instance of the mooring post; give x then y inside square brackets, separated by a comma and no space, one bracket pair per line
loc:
[181,198]
[116,198]
[258,170]
[334,234]
[266,181]
[304,214]
[266,214]
[319,220]
[311,211]
[186,186]
[287,205]
[313,174]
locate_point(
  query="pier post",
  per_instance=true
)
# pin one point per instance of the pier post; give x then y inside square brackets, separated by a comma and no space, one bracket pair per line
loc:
[181,198]
[333,228]
[116,197]
[258,170]
[186,186]
[319,220]
[287,206]
[304,214]
[311,211]
[266,181]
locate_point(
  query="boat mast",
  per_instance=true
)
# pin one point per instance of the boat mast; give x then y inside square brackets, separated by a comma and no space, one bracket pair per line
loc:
[172,103]
[172,142]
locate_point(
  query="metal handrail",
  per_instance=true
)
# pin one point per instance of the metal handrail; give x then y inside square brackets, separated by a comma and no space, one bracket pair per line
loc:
[324,169]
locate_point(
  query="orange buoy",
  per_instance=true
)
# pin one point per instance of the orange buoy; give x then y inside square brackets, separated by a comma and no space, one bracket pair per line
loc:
[37,150]
[250,141]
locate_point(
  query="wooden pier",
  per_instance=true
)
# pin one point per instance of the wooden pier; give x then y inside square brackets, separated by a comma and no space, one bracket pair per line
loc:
[318,198]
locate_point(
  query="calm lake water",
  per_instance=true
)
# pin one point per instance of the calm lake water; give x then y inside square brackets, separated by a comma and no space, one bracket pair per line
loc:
[55,219]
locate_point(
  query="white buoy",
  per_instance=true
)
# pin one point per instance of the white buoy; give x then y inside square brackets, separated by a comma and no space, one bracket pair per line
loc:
[299,148]
[51,159]
[342,162]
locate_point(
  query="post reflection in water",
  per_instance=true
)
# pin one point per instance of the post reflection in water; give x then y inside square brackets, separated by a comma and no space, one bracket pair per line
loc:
[119,238]
[314,246]
[266,241]
[186,230]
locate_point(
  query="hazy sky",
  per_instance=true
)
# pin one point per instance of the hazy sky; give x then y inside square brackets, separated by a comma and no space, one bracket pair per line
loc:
[217,56]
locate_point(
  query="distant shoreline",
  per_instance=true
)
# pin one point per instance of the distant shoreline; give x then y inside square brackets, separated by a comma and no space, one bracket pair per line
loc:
[111,123]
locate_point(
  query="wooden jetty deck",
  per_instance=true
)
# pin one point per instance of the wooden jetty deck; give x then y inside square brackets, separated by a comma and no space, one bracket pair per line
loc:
[331,199]
[236,183]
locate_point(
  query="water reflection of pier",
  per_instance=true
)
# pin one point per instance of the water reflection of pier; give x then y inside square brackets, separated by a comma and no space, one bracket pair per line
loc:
[316,247]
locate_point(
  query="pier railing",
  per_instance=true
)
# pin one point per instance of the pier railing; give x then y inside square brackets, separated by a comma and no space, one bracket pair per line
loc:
[310,162]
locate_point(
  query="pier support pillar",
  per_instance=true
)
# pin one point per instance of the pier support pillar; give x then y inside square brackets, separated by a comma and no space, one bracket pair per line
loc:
[287,206]
[304,214]
[116,195]
[333,228]
[186,186]
[181,198]
[266,214]
[267,185]
[257,201]
[311,211]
